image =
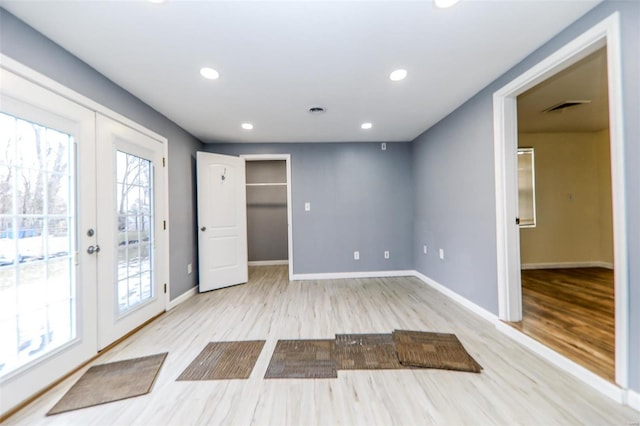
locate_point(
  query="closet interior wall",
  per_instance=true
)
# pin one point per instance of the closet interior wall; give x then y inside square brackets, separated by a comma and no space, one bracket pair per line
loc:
[267,211]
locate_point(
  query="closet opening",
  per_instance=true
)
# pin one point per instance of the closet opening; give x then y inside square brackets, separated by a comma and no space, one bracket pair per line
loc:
[268,210]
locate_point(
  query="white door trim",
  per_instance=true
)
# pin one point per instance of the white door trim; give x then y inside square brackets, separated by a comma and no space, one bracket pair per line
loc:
[607,32]
[287,159]
[16,67]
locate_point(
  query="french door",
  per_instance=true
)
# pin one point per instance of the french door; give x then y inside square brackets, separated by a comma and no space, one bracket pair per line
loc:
[47,204]
[131,235]
[82,239]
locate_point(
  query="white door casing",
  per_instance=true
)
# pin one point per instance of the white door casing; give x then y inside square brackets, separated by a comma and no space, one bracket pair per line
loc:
[222,221]
[287,159]
[604,33]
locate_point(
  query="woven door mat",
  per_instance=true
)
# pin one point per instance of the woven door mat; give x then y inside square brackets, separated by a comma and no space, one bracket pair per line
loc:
[433,350]
[224,361]
[302,359]
[366,352]
[111,382]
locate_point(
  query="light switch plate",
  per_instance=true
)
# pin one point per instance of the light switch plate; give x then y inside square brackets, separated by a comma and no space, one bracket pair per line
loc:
[307,207]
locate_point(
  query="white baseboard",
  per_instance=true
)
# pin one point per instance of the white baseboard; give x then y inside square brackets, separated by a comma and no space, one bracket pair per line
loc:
[601,385]
[363,274]
[268,262]
[561,265]
[633,399]
[183,297]
[492,318]
[593,380]
[587,377]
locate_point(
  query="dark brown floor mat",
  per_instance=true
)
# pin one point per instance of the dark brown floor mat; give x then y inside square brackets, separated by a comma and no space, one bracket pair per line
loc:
[111,382]
[366,352]
[224,360]
[302,359]
[433,350]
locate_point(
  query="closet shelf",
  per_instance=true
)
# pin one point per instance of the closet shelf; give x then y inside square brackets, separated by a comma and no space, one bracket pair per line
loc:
[267,184]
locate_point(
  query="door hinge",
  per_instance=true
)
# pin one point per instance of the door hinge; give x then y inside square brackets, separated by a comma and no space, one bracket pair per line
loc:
[517,221]
[164,162]
[164,225]
[165,288]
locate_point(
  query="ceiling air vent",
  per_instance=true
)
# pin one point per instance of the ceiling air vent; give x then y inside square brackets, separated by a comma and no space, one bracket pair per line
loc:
[564,105]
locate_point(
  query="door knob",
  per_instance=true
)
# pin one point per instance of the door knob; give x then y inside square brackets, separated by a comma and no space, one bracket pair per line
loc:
[93,249]
[204,228]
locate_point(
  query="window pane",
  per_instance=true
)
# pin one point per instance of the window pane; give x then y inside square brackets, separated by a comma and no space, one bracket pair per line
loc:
[30,191]
[526,188]
[59,238]
[58,194]
[135,238]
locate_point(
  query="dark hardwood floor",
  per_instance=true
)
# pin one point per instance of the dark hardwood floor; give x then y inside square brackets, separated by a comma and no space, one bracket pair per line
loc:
[572,312]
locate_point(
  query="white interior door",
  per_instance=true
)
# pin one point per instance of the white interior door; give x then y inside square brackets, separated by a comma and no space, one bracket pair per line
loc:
[222,221]
[132,237]
[47,207]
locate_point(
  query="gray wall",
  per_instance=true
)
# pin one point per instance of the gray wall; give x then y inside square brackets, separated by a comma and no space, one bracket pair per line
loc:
[360,200]
[267,236]
[454,181]
[24,44]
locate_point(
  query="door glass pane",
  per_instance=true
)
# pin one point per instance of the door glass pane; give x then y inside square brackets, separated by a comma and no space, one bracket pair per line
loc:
[134,196]
[37,277]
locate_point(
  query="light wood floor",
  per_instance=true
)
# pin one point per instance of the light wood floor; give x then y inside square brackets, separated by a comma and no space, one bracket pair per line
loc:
[572,312]
[516,387]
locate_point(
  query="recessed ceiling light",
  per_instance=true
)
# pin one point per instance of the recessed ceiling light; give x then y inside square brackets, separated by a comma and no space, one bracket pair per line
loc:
[247,126]
[209,73]
[366,125]
[398,75]
[157,1]
[443,4]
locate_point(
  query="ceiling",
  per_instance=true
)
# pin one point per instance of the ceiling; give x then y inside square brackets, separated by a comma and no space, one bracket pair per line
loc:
[277,59]
[585,80]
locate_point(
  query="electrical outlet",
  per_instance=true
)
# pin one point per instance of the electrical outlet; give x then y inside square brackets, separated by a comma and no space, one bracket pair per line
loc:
[424,249]
[307,207]
[386,254]
[356,255]
[189,269]
[441,254]
[383,146]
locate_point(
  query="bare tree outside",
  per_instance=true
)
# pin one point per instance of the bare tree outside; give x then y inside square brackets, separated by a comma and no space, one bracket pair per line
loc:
[134,200]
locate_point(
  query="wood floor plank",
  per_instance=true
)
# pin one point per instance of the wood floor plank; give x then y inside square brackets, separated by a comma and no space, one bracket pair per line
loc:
[515,387]
[572,312]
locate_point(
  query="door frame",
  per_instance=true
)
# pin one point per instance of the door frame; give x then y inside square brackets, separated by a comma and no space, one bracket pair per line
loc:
[287,160]
[606,33]
[18,68]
